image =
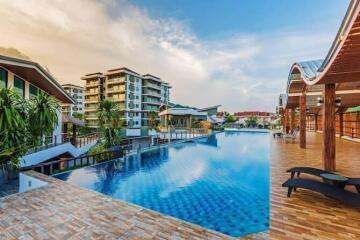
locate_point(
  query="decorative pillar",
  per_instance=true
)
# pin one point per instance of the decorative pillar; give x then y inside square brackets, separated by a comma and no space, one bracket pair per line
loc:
[316,120]
[328,127]
[302,121]
[341,122]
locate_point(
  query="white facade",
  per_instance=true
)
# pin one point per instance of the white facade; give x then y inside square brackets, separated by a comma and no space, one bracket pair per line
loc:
[78,94]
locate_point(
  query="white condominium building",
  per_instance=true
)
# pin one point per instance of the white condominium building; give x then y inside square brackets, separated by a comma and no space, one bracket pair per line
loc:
[137,95]
[77,93]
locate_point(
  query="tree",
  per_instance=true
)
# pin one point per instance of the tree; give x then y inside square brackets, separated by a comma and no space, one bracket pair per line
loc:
[13,128]
[229,118]
[43,116]
[251,121]
[109,119]
[79,116]
[152,120]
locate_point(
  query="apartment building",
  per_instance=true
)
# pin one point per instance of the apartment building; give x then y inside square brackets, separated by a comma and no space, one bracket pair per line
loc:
[155,93]
[136,95]
[77,93]
[94,93]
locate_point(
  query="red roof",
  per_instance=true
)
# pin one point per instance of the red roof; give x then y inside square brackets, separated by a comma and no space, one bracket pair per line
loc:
[253,113]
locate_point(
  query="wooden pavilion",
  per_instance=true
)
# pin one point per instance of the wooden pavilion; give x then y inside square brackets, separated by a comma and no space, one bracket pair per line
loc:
[326,88]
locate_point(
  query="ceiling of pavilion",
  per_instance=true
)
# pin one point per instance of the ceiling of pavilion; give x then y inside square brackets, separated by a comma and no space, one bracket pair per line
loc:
[341,67]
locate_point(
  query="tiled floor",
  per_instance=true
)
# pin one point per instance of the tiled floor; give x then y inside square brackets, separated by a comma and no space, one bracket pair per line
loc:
[63,211]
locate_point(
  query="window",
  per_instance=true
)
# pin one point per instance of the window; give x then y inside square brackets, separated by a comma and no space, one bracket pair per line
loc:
[33,91]
[136,105]
[19,86]
[3,78]
[137,97]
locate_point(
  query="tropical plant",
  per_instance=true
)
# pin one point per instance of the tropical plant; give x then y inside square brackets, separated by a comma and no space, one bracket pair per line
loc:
[43,117]
[229,118]
[13,128]
[109,120]
[79,116]
[153,123]
[251,121]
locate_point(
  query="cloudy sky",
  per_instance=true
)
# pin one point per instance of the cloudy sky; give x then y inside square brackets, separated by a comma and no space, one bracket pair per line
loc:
[234,53]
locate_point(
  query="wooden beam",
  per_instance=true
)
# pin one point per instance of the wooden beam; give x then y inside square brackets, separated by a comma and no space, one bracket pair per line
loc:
[302,121]
[328,127]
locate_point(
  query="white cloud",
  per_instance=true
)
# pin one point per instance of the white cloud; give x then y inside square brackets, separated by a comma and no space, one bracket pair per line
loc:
[73,38]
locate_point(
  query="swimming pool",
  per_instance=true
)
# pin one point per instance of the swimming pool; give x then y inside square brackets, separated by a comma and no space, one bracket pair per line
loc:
[220,182]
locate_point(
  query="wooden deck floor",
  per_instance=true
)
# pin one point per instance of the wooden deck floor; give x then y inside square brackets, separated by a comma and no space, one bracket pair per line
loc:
[307,215]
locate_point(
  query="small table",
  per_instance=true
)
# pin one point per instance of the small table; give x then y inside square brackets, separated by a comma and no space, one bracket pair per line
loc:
[334,179]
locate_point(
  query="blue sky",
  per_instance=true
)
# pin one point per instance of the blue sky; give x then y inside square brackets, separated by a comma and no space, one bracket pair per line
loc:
[236,53]
[210,19]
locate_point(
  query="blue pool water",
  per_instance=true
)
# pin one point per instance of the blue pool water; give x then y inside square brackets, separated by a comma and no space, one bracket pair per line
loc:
[220,182]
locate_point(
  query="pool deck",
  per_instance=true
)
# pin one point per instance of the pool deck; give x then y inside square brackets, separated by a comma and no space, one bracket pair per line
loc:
[63,211]
[308,215]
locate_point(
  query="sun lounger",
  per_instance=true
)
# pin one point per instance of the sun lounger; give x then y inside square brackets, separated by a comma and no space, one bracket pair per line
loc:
[328,190]
[291,136]
[317,172]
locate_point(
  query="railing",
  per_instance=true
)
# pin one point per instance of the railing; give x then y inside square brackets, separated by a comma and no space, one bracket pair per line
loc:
[56,140]
[62,165]
[176,134]
[49,142]
[86,139]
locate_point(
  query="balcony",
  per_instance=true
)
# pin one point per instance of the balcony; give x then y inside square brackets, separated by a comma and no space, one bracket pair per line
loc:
[115,90]
[91,93]
[117,99]
[115,81]
[91,100]
[151,85]
[91,116]
[151,93]
[93,84]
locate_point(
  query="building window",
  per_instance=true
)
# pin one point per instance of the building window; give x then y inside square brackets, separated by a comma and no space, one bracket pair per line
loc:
[3,78]
[33,91]
[19,86]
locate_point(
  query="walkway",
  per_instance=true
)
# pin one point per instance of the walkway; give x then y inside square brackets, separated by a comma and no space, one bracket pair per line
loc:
[307,215]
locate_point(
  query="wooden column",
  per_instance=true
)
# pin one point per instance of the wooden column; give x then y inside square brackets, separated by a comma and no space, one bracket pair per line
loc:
[316,120]
[341,122]
[328,127]
[286,121]
[292,119]
[302,121]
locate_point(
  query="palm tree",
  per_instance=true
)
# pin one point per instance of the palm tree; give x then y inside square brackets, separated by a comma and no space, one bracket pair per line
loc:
[152,120]
[109,119]
[13,127]
[43,117]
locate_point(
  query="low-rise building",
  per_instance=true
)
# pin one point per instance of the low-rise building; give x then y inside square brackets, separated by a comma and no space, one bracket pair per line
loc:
[28,78]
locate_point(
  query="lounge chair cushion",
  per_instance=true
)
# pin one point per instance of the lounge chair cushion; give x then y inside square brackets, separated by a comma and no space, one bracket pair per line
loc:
[336,193]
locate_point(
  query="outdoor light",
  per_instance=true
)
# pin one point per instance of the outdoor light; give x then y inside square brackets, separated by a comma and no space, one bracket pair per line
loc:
[338,101]
[319,101]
